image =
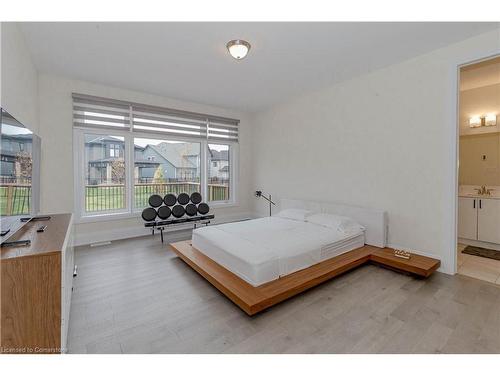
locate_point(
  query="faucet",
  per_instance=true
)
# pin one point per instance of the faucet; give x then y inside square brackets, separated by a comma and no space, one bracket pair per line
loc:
[483,190]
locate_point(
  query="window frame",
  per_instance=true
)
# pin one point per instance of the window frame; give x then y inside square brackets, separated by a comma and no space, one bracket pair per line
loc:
[129,135]
[233,170]
[80,173]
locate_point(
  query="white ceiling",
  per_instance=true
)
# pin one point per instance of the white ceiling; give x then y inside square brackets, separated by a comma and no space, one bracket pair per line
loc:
[189,61]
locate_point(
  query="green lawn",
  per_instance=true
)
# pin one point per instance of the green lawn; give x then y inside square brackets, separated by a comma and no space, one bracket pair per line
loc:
[20,198]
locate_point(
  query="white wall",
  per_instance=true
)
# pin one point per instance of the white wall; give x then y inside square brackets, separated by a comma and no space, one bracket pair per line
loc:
[57,194]
[383,140]
[19,84]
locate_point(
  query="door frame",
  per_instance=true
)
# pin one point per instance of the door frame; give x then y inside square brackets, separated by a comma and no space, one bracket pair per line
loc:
[454,131]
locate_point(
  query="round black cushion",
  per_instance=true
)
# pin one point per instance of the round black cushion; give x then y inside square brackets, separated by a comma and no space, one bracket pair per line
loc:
[149,214]
[203,208]
[196,198]
[191,209]
[164,212]
[183,198]
[170,199]
[155,200]
[178,211]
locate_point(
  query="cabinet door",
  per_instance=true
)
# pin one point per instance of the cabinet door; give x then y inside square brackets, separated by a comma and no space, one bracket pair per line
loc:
[467,218]
[488,221]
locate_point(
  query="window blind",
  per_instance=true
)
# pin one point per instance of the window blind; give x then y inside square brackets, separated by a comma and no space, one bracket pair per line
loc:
[99,112]
[156,120]
[90,111]
[222,131]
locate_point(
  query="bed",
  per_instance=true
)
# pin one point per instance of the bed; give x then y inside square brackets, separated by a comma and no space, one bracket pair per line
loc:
[262,250]
[259,263]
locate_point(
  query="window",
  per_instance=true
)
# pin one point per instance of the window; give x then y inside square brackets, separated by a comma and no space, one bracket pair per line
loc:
[114,150]
[104,176]
[163,166]
[125,152]
[218,173]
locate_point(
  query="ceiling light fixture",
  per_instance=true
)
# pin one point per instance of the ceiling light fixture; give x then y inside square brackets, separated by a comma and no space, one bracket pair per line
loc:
[238,48]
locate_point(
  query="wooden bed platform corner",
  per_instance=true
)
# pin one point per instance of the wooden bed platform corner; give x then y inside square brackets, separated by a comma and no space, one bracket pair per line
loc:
[255,299]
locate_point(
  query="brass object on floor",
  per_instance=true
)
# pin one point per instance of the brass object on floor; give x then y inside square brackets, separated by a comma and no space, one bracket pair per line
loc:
[402,254]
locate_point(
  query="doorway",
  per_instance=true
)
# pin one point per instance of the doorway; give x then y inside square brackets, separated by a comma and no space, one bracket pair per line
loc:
[478,243]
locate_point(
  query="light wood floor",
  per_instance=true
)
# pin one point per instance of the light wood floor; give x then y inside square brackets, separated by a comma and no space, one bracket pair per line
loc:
[135,296]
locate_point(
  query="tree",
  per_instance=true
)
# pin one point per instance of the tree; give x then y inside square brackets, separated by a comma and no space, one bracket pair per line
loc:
[24,164]
[118,171]
[159,177]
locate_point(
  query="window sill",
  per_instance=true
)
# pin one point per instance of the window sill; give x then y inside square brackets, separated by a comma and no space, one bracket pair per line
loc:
[220,204]
[107,217]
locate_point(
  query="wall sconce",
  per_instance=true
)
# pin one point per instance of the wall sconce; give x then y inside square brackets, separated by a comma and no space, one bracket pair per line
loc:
[475,122]
[487,120]
[490,119]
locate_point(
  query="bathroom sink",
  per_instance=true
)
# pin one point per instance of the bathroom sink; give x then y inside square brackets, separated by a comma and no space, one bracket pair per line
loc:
[484,196]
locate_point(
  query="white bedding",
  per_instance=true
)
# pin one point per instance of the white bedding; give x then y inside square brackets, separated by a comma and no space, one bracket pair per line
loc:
[262,250]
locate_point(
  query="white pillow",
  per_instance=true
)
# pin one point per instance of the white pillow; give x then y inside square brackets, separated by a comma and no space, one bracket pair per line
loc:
[294,214]
[342,223]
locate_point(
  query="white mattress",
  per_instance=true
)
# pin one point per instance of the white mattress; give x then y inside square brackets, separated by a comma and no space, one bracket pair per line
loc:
[262,250]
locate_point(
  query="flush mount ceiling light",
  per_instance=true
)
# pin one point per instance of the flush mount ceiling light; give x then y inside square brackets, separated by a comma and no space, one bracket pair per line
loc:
[238,48]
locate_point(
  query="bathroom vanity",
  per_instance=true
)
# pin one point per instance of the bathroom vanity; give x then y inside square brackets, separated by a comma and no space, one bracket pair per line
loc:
[479,217]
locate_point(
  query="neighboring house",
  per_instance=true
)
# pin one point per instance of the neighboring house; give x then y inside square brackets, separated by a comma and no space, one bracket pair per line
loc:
[105,153]
[179,161]
[219,165]
[101,152]
[12,148]
[144,169]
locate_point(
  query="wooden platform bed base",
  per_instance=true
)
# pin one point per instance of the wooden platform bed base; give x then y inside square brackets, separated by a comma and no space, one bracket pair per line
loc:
[256,299]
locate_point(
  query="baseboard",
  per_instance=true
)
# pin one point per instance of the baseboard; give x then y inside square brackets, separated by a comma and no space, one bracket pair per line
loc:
[177,233]
[441,269]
